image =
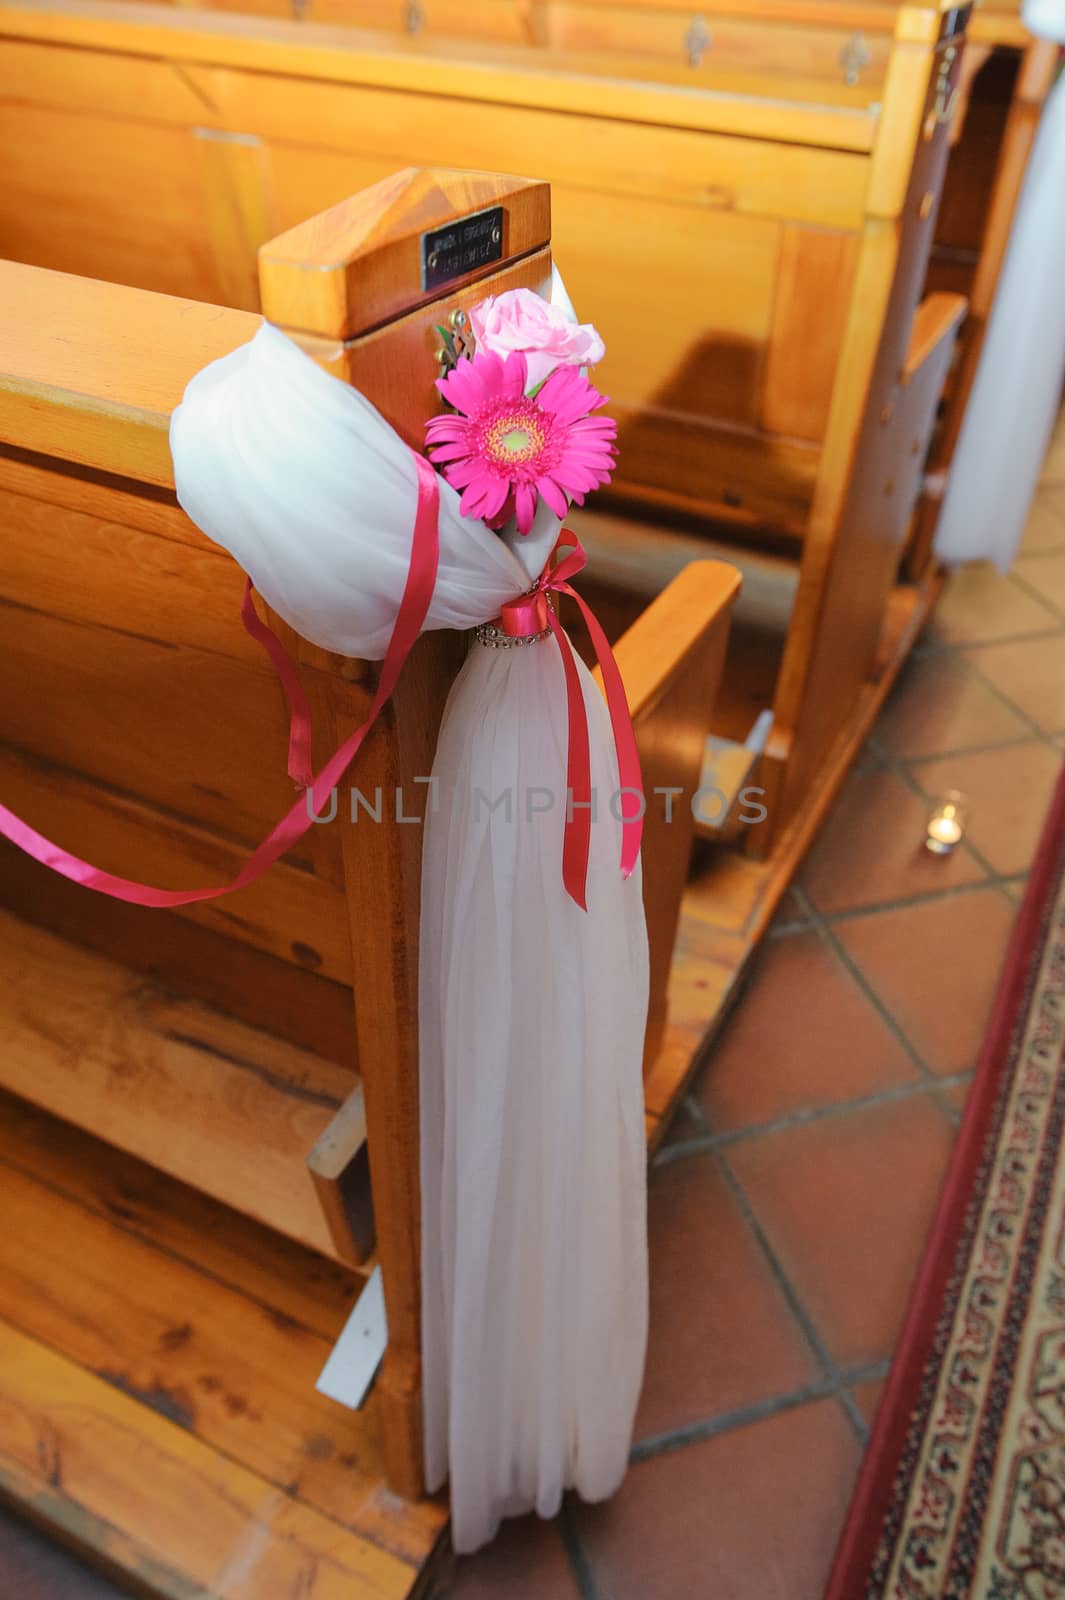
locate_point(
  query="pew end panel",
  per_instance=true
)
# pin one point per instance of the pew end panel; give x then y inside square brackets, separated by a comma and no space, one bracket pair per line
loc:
[673,655]
[1011,78]
[349,286]
[887,390]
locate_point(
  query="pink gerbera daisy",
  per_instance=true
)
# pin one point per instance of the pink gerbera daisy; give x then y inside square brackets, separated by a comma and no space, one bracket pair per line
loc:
[504,448]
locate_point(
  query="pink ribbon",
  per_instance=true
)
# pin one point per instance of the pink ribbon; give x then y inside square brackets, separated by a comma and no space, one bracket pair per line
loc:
[527,615]
[531,614]
[418,592]
[300,767]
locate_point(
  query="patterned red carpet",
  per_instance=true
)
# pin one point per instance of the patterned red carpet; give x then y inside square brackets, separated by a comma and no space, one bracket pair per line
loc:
[962,1496]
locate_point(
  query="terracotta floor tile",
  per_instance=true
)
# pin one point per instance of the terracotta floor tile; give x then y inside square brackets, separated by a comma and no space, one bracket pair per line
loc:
[1030,673]
[979,603]
[1045,574]
[803,1035]
[527,1561]
[846,1203]
[1046,523]
[722,1336]
[934,966]
[867,1397]
[938,706]
[1008,790]
[871,850]
[751,1515]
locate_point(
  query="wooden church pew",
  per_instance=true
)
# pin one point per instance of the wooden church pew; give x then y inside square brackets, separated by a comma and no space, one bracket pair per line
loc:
[186,1240]
[1004,78]
[773,232]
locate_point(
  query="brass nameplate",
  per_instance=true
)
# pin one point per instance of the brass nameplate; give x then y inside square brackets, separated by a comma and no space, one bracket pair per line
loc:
[461,247]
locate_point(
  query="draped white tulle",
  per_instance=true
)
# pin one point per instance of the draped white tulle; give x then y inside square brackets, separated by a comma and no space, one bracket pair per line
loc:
[533,1148]
[302,480]
[532,1012]
[1018,385]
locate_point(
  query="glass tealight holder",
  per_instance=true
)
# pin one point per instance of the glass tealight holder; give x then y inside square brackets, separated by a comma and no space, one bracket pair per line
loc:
[946,825]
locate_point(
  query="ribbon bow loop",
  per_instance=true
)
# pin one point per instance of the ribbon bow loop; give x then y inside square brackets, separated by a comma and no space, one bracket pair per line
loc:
[531,614]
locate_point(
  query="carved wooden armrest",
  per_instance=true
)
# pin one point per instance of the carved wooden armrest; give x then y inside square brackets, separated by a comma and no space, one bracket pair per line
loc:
[939,316]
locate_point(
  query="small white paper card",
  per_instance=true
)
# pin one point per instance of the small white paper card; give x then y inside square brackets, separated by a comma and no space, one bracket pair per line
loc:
[356,1356]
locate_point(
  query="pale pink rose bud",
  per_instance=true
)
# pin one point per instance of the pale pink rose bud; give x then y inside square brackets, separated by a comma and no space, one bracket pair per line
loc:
[521,320]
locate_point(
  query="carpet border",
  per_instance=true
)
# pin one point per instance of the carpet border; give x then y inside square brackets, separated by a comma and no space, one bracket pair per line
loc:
[876,1482]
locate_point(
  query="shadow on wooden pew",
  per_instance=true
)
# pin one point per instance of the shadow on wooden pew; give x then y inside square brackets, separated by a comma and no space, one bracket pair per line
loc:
[758,487]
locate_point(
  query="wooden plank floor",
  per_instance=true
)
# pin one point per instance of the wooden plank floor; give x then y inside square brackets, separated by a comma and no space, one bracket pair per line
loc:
[157,1405]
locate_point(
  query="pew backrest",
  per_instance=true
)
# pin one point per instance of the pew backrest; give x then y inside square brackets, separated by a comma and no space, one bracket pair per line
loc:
[739,212]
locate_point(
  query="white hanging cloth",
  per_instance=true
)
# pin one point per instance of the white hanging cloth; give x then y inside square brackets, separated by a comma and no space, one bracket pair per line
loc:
[532,1011]
[533,1150]
[1015,398]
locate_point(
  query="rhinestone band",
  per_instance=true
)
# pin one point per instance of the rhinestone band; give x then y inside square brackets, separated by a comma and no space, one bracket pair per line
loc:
[496,639]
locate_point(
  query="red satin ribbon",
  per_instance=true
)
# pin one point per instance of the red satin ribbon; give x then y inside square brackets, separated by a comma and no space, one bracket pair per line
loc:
[531,614]
[421,580]
[527,615]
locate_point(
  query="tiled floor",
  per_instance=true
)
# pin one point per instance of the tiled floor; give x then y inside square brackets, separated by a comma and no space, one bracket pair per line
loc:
[789,1207]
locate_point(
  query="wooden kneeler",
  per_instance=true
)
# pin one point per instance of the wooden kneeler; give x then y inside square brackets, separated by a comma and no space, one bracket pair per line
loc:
[186,1114]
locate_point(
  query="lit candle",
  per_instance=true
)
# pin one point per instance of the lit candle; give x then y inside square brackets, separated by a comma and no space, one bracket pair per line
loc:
[946,825]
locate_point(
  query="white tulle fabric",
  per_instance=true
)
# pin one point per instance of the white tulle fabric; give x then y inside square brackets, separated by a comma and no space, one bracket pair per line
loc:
[302,480]
[1017,391]
[532,1012]
[533,1149]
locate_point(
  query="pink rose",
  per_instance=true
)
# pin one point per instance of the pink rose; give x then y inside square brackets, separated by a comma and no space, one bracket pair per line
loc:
[521,320]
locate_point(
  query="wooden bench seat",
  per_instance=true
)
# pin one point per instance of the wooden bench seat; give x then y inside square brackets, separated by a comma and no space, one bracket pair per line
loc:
[91,1041]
